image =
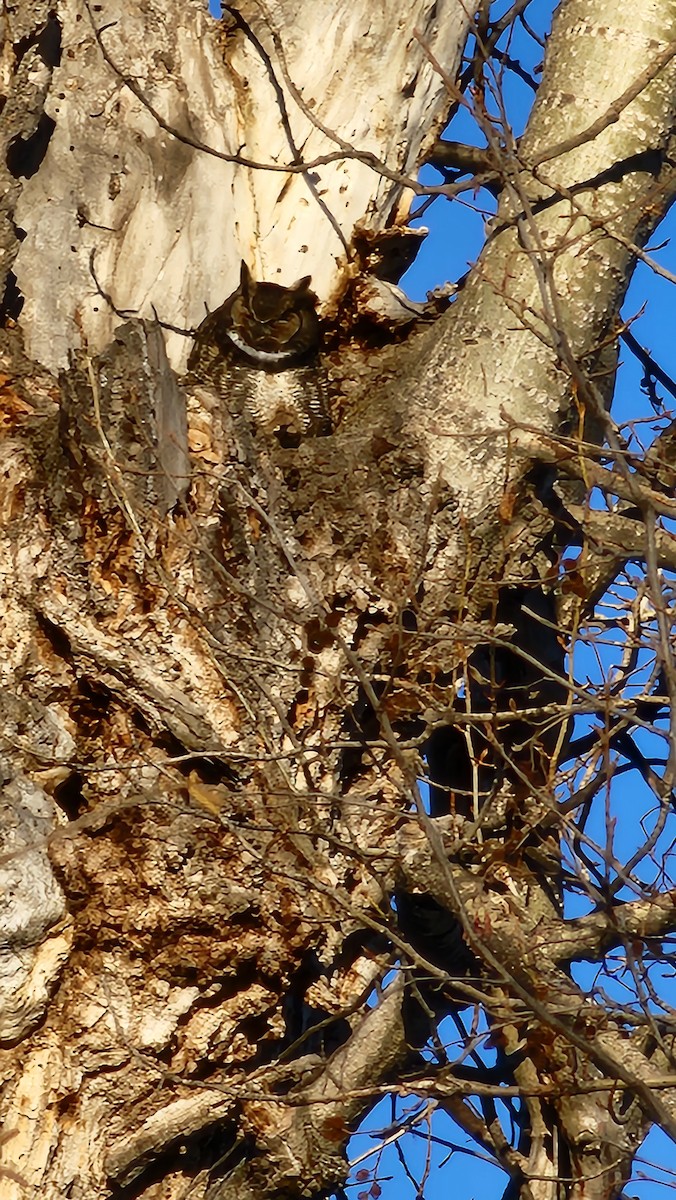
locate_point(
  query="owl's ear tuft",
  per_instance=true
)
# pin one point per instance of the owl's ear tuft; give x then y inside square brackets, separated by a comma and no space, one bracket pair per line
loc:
[301,285]
[246,279]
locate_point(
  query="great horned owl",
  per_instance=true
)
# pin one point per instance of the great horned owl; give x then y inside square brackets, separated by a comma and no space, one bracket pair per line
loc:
[260,348]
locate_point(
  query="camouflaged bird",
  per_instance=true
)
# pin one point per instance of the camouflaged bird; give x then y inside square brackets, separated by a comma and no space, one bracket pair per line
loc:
[261,347]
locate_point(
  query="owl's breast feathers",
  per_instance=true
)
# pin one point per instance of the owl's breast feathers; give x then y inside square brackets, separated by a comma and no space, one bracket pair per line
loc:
[269,329]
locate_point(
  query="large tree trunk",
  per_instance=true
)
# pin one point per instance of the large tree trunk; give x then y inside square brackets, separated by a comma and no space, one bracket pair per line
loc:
[220,668]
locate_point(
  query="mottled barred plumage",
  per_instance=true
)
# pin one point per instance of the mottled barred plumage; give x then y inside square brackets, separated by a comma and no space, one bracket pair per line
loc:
[260,349]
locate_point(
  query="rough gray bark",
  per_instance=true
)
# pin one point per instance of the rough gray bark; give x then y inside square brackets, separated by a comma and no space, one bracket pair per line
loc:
[218,705]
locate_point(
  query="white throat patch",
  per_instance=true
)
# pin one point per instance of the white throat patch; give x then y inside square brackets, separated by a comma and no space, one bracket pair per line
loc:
[261,356]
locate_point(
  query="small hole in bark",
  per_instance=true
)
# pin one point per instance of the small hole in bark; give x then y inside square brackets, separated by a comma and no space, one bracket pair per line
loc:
[292,479]
[24,155]
[12,300]
[318,638]
[68,796]
[409,620]
[289,439]
[140,722]
[209,770]
[95,693]
[49,42]
[58,640]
